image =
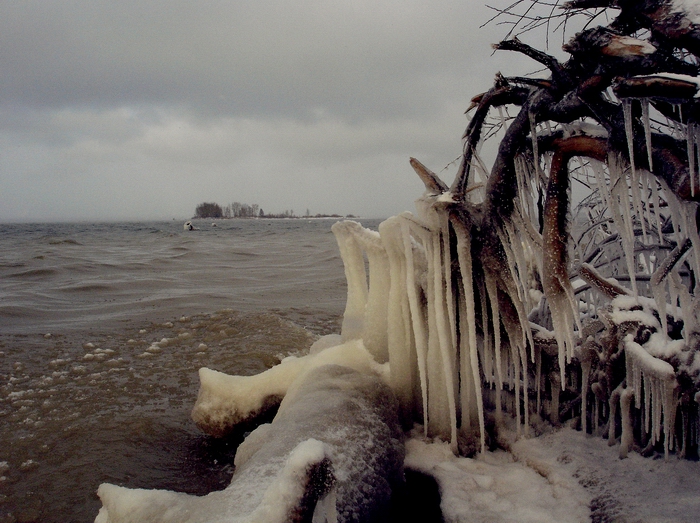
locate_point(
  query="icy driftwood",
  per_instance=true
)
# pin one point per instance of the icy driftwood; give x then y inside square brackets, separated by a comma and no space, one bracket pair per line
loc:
[561,282]
[334,452]
[226,402]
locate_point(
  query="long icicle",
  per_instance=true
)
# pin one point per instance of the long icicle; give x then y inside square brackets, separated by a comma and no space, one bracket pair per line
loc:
[465,265]
[690,140]
[417,319]
[443,330]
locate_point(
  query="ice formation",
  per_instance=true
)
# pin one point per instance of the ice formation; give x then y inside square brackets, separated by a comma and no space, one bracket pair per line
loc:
[498,296]
[225,401]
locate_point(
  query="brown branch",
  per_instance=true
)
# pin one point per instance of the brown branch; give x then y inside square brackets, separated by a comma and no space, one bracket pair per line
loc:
[540,83]
[588,4]
[555,236]
[497,96]
[655,86]
[431,180]
[559,74]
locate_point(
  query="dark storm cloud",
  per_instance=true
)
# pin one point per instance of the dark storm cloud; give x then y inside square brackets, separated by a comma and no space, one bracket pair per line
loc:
[144,108]
[235,58]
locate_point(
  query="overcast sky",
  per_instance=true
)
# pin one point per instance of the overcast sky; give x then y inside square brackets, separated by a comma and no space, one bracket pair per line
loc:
[138,110]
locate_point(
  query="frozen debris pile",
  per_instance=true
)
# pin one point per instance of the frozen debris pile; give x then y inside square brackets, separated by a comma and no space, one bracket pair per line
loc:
[561,282]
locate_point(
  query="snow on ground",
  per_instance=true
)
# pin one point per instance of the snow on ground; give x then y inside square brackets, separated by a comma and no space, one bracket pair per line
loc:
[560,477]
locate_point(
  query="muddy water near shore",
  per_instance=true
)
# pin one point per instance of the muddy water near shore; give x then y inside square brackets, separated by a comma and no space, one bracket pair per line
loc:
[102,332]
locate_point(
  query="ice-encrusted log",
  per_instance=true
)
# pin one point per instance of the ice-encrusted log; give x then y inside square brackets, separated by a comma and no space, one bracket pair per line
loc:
[305,478]
[225,402]
[334,452]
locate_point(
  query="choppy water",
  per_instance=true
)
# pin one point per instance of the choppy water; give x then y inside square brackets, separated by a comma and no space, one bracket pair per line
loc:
[103,328]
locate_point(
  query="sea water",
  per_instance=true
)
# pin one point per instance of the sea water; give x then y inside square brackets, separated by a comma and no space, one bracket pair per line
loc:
[103,328]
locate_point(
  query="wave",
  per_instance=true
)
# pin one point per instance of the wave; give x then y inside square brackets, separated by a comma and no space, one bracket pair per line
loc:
[33,273]
[60,241]
[87,287]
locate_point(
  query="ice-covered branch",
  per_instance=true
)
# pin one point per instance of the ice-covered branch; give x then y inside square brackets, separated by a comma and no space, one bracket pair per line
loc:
[559,74]
[605,286]
[500,95]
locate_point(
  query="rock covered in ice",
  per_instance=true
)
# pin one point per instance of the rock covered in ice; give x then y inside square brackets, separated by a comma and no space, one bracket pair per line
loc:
[334,452]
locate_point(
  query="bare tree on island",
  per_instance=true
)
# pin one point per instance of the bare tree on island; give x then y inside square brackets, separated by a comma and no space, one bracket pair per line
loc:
[208,210]
[617,121]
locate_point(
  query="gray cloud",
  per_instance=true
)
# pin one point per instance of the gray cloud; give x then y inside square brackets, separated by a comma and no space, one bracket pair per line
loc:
[140,110]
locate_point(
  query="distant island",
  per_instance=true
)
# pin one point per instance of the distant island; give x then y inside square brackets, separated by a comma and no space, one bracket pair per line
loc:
[243,210]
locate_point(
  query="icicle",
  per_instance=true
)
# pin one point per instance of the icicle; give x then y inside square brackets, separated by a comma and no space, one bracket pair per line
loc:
[634,183]
[417,320]
[647,131]
[690,139]
[585,373]
[613,402]
[627,438]
[603,187]
[447,265]
[487,349]
[512,275]
[535,145]
[492,292]
[443,331]
[519,272]
[621,216]
[516,384]
[440,382]
[467,389]
[375,322]
[401,349]
[627,111]
[465,265]
[596,414]
[657,204]
[659,384]
[636,193]
[439,414]
[646,421]
[523,177]
[353,260]
[690,212]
